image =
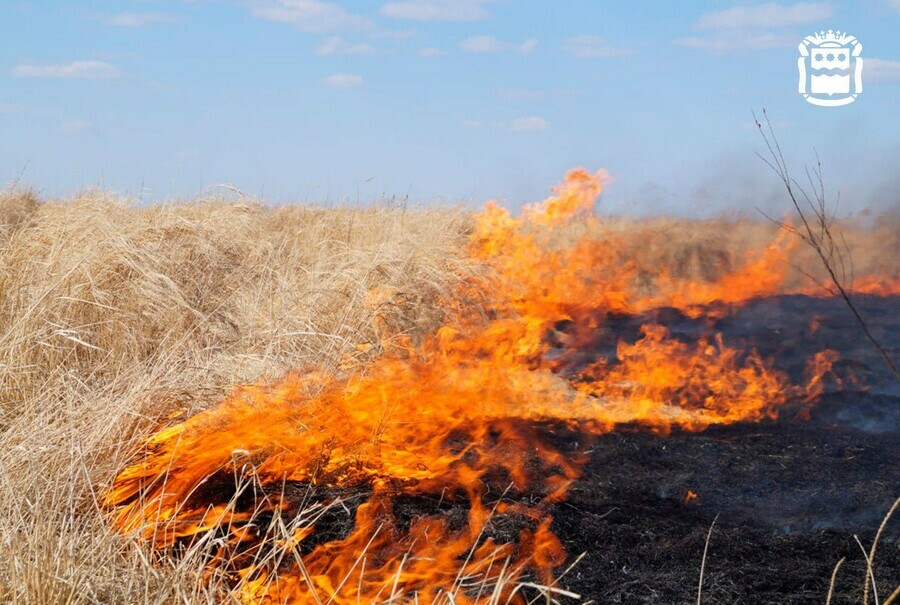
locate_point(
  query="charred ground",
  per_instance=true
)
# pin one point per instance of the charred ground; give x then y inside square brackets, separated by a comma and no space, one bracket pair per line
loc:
[788,495]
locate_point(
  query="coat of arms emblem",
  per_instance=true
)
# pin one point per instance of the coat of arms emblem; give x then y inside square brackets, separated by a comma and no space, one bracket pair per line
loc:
[830,68]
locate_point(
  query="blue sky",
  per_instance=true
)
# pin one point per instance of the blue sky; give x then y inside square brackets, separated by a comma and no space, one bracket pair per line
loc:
[461,100]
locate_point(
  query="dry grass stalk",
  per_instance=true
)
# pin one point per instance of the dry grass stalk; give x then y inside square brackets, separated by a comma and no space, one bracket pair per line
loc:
[703,562]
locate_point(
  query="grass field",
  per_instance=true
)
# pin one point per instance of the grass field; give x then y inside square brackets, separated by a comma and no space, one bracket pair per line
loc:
[114,317]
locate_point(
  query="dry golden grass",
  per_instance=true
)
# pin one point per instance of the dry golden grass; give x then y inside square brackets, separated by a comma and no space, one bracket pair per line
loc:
[704,249]
[114,316]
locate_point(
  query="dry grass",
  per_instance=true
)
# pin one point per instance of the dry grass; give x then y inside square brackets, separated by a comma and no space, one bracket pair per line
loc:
[113,316]
[704,249]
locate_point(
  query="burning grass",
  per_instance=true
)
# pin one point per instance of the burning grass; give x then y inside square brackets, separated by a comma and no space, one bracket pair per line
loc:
[405,358]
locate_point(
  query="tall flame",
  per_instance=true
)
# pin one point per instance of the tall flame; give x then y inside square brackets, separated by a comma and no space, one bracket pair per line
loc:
[260,476]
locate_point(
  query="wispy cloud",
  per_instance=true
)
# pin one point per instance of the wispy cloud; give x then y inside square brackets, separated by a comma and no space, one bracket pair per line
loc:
[771,15]
[879,70]
[88,70]
[344,81]
[311,16]
[526,124]
[336,45]
[137,19]
[529,124]
[757,27]
[723,43]
[431,52]
[490,44]
[436,10]
[894,4]
[590,47]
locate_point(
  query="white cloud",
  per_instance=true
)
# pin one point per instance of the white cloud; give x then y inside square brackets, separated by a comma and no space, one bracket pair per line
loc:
[344,81]
[529,124]
[528,46]
[591,47]
[526,124]
[879,70]
[431,52]
[90,70]
[336,45]
[770,15]
[74,127]
[723,42]
[310,16]
[436,10]
[759,27]
[483,44]
[490,44]
[894,4]
[137,19]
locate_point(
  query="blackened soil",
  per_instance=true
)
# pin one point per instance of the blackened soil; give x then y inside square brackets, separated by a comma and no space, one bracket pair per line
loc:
[789,497]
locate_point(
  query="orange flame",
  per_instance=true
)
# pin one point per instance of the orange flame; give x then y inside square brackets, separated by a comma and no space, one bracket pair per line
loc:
[261,474]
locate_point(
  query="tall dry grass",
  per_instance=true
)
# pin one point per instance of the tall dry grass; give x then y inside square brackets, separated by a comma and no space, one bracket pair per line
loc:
[704,249]
[114,317]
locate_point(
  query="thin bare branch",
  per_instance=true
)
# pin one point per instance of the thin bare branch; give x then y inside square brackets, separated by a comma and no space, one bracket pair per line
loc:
[817,229]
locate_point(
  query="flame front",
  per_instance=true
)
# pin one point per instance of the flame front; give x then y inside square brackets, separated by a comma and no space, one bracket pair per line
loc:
[257,479]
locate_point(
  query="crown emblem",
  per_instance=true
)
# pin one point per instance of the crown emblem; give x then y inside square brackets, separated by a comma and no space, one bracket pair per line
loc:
[839,38]
[830,68]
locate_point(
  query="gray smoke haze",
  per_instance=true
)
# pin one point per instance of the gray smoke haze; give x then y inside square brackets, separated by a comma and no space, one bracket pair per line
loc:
[742,184]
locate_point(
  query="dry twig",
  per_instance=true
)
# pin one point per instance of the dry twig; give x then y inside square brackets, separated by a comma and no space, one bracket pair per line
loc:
[817,229]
